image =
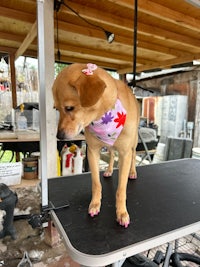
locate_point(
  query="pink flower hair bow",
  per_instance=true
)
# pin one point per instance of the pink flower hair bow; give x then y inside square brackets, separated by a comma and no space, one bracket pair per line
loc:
[90,68]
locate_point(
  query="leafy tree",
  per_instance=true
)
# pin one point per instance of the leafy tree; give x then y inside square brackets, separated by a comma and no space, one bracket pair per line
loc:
[58,67]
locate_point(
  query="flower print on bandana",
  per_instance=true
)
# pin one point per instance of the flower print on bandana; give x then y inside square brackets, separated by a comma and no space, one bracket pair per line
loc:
[121,119]
[107,118]
[109,126]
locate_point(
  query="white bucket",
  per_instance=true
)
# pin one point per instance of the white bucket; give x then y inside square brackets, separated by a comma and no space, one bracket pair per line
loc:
[159,156]
[196,152]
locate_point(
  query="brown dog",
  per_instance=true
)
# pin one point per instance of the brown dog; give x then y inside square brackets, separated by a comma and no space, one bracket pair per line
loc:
[88,98]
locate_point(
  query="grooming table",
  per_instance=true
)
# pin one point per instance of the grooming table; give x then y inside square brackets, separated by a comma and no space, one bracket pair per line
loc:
[163,203]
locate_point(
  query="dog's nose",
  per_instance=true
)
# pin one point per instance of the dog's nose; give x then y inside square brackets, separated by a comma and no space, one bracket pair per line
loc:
[61,135]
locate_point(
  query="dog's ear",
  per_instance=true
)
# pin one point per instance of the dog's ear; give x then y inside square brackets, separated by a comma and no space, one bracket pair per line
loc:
[90,89]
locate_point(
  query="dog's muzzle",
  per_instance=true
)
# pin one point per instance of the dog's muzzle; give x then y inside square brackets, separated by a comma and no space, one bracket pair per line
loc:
[61,135]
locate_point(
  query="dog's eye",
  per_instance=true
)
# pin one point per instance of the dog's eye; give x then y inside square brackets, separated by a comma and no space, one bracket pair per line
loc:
[69,108]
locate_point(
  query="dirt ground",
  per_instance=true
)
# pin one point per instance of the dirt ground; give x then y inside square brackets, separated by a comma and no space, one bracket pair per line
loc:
[36,241]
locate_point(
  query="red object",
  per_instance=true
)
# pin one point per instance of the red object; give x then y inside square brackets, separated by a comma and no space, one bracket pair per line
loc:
[67,162]
[2,88]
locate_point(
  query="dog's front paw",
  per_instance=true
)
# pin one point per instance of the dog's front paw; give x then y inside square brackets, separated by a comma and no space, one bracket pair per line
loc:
[123,219]
[94,209]
[132,175]
[107,174]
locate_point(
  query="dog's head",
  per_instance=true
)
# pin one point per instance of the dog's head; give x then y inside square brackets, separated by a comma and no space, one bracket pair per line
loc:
[76,93]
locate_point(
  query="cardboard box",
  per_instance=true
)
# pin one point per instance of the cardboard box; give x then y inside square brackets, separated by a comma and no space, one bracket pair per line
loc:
[10,173]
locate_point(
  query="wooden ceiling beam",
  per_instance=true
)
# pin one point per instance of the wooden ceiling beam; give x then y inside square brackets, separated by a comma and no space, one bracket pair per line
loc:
[99,50]
[6,49]
[17,14]
[27,41]
[72,59]
[162,49]
[123,3]
[155,31]
[146,44]
[125,27]
[168,15]
[159,44]
[88,31]
[11,36]
[94,57]
[143,30]
[151,8]
[166,35]
[92,51]
[163,64]
[96,16]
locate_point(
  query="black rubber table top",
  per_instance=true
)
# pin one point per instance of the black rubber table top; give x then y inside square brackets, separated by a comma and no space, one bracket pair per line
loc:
[165,197]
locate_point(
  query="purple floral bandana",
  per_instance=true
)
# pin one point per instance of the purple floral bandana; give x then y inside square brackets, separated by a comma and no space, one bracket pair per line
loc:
[108,128]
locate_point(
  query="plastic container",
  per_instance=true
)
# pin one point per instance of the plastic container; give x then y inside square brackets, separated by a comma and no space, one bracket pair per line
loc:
[159,156]
[77,162]
[66,161]
[22,120]
[72,160]
[196,152]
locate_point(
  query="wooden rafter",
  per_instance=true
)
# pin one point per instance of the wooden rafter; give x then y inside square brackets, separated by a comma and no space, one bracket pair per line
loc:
[27,41]
[168,32]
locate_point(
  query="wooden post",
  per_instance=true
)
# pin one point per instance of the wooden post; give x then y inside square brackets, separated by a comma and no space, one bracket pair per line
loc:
[13,79]
[14,88]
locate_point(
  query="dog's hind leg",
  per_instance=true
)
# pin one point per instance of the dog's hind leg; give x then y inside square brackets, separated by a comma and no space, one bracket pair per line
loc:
[125,157]
[133,173]
[95,204]
[109,170]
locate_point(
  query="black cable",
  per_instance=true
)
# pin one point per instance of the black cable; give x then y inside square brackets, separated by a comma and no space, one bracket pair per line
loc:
[88,22]
[109,35]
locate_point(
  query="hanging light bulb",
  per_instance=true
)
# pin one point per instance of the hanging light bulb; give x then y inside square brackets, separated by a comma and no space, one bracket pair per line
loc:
[110,36]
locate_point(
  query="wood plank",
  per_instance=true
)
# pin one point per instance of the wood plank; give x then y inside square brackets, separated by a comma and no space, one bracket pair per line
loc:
[11,36]
[27,41]
[166,35]
[13,80]
[163,64]
[7,49]
[170,15]
[17,14]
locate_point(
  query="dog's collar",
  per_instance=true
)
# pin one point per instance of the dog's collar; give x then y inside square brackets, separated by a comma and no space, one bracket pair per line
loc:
[109,126]
[90,68]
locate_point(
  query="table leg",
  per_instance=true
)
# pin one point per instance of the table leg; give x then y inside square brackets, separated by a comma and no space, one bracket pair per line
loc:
[118,263]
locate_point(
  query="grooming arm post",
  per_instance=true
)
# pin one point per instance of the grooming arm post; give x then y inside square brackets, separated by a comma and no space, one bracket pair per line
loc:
[46,77]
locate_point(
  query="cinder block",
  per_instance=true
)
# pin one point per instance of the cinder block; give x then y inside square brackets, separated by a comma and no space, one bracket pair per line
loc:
[178,148]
